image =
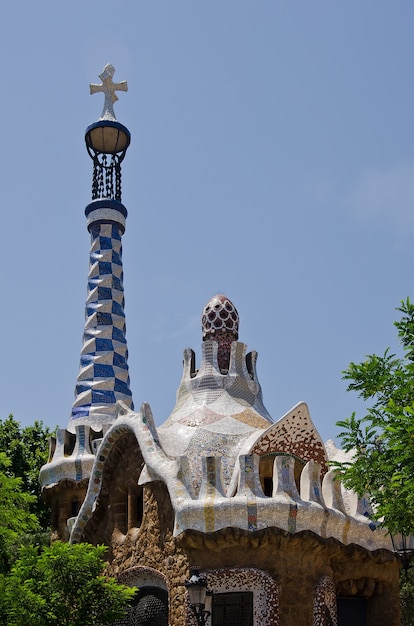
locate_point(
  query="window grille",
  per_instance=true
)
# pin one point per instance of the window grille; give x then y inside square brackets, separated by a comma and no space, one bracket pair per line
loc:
[233,609]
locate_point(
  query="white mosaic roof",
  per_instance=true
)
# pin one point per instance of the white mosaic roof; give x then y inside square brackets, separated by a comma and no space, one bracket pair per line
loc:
[209,453]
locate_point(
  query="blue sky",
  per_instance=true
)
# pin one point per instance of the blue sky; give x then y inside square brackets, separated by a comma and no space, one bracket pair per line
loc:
[272,159]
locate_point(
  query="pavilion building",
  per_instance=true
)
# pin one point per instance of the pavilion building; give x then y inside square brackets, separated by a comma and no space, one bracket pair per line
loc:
[220,486]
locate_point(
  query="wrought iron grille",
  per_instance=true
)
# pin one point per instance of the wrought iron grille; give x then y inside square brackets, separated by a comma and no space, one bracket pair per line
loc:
[233,609]
[106,181]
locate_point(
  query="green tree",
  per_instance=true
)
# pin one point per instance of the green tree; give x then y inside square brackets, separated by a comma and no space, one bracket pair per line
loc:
[16,520]
[62,585]
[407,598]
[27,450]
[382,441]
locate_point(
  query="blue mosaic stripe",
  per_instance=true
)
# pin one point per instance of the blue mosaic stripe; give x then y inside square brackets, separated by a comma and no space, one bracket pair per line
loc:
[103,378]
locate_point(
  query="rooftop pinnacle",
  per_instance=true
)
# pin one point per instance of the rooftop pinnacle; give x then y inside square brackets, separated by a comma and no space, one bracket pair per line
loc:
[108,87]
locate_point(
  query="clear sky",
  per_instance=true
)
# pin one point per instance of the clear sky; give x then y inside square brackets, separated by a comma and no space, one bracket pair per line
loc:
[272,159]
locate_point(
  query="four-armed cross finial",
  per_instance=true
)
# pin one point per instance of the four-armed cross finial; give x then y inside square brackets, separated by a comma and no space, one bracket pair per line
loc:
[108,88]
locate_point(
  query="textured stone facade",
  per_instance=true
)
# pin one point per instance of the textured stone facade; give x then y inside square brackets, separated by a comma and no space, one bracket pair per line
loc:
[294,576]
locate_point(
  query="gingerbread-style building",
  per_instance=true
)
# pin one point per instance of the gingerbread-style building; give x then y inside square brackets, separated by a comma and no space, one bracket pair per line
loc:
[220,485]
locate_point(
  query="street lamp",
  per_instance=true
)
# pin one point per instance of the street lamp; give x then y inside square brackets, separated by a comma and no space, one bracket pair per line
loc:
[200,597]
[403,546]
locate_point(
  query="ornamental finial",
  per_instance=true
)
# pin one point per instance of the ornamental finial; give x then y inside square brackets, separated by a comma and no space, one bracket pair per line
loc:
[108,87]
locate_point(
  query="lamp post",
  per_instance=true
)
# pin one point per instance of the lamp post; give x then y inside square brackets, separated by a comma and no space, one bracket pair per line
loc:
[403,546]
[200,597]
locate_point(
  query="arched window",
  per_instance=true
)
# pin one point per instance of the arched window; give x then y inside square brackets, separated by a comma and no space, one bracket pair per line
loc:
[266,472]
[150,607]
[150,604]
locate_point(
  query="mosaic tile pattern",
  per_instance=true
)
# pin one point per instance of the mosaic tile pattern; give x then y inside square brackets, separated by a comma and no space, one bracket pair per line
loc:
[220,315]
[103,378]
[69,463]
[243,505]
[213,444]
[208,455]
[265,591]
[220,323]
[324,604]
[294,433]
[215,413]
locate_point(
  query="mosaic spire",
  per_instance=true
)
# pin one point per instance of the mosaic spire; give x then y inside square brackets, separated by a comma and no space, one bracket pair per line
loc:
[103,378]
[220,323]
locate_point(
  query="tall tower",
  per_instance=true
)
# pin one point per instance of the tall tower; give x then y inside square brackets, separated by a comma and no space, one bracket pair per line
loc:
[103,378]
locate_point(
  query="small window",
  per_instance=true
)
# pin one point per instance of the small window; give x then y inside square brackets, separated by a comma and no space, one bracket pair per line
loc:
[352,611]
[135,507]
[233,609]
[55,515]
[268,486]
[120,508]
[75,506]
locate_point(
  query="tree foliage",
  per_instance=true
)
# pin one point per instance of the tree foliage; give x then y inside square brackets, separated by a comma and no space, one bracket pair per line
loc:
[27,450]
[407,598]
[16,520]
[382,441]
[62,585]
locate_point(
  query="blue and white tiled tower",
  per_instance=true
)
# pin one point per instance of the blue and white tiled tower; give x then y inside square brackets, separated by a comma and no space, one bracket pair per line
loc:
[103,378]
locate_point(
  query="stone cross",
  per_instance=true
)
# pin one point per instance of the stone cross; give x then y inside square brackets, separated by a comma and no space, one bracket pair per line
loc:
[108,88]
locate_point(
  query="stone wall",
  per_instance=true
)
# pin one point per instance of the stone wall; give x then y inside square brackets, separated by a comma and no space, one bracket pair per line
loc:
[296,563]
